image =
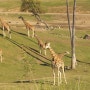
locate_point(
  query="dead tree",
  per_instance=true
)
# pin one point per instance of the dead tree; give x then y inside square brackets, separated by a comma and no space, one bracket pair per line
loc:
[72,33]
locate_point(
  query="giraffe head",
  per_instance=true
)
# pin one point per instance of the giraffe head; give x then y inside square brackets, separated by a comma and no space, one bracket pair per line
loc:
[47,45]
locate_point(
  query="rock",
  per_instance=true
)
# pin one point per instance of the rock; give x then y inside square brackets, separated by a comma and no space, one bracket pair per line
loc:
[86,36]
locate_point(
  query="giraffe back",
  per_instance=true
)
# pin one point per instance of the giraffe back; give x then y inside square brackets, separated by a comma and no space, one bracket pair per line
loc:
[40,42]
[5,24]
[27,24]
[57,62]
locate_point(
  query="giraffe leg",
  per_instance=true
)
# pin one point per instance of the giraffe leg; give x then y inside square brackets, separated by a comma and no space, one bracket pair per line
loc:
[9,33]
[60,77]
[33,33]
[45,51]
[64,75]
[28,33]
[40,50]
[4,32]
[54,77]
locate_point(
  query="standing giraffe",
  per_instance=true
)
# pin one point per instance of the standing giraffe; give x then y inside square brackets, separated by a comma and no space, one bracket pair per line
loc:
[58,63]
[1,54]
[6,26]
[28,26]
[41,45]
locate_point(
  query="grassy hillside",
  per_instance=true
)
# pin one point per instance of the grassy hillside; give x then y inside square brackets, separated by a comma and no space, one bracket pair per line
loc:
[83,6]
[23,68]
[12,5]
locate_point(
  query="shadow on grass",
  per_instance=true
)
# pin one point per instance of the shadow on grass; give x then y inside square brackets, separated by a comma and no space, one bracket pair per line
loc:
[19,33]
[1,35]
[29,51]
[25,36]
[83,62]
[44,81]
[35,51]
[79,60]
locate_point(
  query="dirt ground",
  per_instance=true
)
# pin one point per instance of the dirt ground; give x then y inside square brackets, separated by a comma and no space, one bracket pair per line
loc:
[82,21]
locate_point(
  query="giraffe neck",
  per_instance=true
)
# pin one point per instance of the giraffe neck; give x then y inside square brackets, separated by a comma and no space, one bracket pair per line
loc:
[24,21]
[52,52]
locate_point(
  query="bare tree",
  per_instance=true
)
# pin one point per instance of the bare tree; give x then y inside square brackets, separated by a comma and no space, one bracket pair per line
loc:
[68,17]
[73,65]
[72,33]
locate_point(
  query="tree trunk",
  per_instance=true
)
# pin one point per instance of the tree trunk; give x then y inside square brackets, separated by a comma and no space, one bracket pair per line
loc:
[73,61]
[40,20]
[68,17]
[72,33]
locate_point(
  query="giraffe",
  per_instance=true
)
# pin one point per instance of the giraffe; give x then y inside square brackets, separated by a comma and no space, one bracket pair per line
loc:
[41,44]
[58,63]
[1,54]
[6,26]
[28,26]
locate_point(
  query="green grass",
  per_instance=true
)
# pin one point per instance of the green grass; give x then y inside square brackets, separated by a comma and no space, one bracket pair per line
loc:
[51,3]
[9,4]
[47,5]
[23,68]
[20,66]
[84,4]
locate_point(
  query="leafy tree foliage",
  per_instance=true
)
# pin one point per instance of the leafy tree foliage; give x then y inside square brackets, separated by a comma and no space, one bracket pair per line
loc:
[33,6]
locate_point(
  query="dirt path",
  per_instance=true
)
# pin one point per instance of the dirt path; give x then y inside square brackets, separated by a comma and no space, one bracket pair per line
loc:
[82,20]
